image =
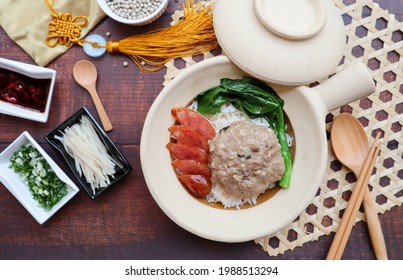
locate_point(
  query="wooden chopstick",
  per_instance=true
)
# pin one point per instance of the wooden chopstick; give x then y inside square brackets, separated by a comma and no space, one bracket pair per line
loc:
[340,240]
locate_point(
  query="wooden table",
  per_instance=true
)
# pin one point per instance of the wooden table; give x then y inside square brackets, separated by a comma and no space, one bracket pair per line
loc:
[125,222]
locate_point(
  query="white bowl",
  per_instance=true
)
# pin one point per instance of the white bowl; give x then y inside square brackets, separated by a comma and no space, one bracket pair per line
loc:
[12,181]
[35,72]
[135,22]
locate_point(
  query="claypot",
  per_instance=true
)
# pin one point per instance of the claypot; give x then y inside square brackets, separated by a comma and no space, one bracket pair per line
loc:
[301,42]
[306,109]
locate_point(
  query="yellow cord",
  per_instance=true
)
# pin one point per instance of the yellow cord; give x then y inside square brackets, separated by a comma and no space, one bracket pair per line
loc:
[64,29]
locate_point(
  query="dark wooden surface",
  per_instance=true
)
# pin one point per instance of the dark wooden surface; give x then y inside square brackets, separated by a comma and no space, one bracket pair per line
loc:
[125,222]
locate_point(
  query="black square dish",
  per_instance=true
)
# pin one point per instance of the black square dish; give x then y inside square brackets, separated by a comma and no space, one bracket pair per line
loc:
[122,168]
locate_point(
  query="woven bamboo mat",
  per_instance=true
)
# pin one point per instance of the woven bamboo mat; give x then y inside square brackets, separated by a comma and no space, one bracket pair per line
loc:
[375,37]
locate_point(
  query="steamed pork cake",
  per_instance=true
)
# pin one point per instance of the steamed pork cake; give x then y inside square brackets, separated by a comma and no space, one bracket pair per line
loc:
[246,159]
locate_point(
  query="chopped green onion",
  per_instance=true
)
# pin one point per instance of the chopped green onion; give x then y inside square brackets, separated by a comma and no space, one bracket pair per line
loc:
[36,172]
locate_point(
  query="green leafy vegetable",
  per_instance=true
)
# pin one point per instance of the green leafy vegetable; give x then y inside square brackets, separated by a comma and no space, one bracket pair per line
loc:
[36,172]
[257,100]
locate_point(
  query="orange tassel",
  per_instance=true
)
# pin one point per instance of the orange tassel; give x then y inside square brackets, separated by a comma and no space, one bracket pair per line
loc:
[192,35]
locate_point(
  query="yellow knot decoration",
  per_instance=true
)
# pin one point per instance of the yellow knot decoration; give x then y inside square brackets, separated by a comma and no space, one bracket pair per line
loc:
[64,29]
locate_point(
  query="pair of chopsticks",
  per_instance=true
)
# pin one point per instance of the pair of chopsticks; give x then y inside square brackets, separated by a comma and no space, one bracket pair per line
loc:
[340,240]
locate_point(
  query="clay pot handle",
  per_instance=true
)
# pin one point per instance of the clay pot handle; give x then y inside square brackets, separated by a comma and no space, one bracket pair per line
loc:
[352,83]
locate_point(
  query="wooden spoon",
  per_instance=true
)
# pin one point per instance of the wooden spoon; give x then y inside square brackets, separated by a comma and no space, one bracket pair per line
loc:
[350,145]
[85,74]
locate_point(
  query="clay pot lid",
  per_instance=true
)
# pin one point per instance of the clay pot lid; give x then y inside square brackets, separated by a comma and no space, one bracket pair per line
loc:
[288,42]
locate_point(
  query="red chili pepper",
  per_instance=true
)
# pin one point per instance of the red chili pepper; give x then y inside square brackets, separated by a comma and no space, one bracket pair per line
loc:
[35,90]
[17,86]
[39,98]
[9,97]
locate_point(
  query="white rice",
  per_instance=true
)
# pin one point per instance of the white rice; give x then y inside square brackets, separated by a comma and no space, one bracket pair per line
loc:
[217,195]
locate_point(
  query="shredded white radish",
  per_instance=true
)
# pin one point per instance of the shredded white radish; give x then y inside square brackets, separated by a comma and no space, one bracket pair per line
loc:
[91,157]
